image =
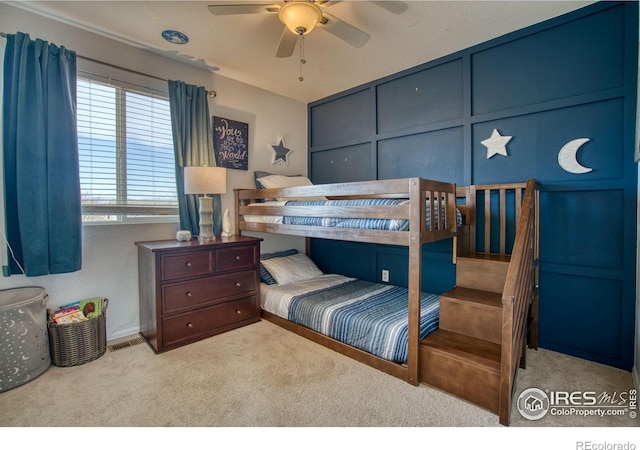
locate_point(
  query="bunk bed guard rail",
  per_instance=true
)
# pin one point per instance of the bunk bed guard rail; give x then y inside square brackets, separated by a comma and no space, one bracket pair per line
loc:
[414,200]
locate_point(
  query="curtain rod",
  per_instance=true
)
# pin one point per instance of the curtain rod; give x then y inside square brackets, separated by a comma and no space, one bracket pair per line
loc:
[212,93]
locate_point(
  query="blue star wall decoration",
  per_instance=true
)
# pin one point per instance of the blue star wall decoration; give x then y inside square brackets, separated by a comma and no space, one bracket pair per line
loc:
[280,153]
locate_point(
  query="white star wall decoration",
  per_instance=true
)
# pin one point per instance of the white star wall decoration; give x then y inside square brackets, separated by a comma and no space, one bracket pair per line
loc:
[496,144]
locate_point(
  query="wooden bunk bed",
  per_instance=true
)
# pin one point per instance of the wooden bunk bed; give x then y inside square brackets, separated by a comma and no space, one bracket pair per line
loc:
[423,228]
[419,203]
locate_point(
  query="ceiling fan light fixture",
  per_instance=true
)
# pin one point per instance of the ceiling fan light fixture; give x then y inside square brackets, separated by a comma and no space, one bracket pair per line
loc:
[300,16]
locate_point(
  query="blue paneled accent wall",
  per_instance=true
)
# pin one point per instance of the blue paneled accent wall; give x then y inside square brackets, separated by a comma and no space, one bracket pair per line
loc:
[568,78]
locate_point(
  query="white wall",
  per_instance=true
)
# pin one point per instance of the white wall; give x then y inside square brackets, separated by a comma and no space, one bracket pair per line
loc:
[109,254]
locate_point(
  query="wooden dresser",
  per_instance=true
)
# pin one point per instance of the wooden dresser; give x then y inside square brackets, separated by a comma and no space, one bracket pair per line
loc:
[192,290]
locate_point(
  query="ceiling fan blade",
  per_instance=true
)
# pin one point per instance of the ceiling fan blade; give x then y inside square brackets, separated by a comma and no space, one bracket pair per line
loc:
[344,31]
[225,9]
[395,7]
[287,44]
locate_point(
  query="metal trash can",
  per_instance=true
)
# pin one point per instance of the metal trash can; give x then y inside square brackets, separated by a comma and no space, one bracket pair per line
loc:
[24,344]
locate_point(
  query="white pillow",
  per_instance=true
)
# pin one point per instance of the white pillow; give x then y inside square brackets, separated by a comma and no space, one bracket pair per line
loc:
[282,181]
[292,268]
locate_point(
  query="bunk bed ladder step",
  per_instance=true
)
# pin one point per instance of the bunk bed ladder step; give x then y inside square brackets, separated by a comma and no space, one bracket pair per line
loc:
[471,312]
[482,271]
[466,367]
[463,357]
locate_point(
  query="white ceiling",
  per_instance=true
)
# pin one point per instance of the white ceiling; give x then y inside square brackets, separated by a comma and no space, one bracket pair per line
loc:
[243,47]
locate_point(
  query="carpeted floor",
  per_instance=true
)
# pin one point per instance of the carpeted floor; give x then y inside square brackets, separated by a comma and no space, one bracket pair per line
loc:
[264,376]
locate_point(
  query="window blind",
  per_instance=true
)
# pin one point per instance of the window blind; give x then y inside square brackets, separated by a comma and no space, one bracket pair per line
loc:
[125,144]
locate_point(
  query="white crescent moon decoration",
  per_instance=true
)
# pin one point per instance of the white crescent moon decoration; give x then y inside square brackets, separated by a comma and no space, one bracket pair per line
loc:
[567,157]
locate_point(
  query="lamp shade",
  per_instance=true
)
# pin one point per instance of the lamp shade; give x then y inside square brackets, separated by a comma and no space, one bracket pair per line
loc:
[205,180]
[300,16]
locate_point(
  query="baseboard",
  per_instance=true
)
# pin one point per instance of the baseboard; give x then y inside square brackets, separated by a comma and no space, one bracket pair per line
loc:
[123,332]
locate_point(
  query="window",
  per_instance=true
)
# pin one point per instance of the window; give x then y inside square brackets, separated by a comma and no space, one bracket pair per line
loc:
[125,144]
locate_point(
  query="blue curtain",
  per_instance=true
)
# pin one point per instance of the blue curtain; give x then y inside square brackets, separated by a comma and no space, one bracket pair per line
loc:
[193,144]
[40,151]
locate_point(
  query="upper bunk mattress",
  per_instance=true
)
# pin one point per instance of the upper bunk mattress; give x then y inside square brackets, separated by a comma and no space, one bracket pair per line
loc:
[340,222]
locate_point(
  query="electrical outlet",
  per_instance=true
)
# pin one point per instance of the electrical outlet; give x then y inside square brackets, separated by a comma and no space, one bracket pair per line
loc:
[385,275]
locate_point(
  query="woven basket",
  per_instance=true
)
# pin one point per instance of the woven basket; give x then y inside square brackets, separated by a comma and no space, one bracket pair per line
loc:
[72,344]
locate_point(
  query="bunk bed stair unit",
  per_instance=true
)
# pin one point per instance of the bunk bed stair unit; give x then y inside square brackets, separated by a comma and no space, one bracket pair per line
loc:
[485,322]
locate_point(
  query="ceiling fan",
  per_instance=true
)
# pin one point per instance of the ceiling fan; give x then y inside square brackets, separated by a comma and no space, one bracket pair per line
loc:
[300,17]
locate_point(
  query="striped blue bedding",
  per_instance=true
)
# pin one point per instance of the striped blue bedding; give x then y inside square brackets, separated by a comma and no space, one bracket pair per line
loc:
[370,316]
[369,224]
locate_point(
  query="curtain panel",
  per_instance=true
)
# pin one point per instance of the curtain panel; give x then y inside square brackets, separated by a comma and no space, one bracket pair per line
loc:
[193,144]
[40,155]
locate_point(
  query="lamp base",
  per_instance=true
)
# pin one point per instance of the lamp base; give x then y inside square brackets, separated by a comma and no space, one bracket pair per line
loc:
[205,211]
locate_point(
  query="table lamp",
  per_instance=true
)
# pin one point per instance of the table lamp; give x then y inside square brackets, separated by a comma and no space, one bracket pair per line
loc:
[205,180]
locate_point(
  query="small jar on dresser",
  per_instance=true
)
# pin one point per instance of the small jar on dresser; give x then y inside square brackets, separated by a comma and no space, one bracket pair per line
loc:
[193,290]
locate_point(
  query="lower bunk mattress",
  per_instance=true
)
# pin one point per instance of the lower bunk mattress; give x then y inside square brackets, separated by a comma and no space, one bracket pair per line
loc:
[370,316]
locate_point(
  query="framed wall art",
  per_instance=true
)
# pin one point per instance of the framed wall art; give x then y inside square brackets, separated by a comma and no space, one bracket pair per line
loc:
[230,143]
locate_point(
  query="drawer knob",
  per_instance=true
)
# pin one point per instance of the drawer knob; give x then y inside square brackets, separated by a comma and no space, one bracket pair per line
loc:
[238,284]
[237,257]
[189,325]
[238,311]
[188,264]
[189,294]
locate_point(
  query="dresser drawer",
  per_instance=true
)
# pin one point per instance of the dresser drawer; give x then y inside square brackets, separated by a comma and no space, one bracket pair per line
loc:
[234,258]
[189,294]
[206,321]
[186,265]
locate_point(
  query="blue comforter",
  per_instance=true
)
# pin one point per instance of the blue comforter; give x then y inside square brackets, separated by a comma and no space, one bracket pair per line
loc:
[370,316]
